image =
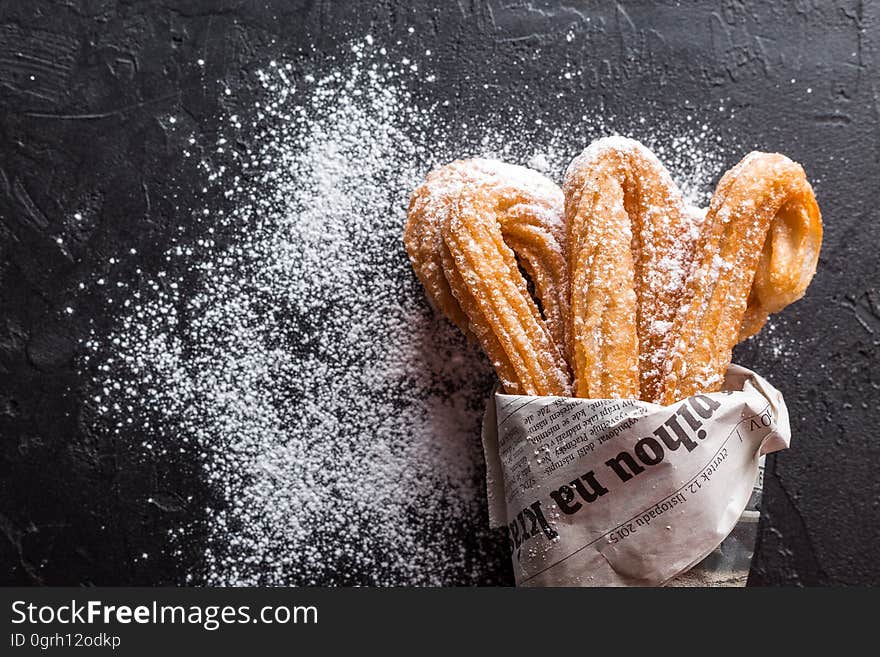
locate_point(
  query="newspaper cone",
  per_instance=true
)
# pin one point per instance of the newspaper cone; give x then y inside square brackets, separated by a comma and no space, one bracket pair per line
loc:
[619,492]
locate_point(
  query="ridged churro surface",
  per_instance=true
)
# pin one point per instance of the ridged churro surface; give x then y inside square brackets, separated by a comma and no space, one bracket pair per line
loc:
[470,226]
[764,199]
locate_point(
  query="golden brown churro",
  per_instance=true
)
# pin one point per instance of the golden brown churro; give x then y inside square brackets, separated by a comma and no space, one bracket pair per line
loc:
[493,294]
[629,237]
[765,192]
[480,215]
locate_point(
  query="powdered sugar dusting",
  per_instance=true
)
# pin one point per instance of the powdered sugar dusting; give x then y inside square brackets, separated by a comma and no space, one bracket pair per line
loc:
[290,352]
[667,226]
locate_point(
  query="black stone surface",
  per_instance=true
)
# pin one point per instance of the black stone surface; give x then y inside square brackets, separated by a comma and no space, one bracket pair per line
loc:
[89,131]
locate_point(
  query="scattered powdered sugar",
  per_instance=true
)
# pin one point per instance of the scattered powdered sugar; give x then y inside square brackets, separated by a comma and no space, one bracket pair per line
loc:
[775,343]
[289,349]
[539,162]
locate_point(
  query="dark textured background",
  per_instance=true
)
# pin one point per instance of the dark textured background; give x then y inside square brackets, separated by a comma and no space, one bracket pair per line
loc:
[86,89]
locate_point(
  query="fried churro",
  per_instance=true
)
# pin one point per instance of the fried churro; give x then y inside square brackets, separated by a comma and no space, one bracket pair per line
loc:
[764,199]
[486,281]
[629,236]
[485,216]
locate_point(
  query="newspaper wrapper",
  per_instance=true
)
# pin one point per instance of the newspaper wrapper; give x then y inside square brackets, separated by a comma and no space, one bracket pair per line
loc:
[619,492]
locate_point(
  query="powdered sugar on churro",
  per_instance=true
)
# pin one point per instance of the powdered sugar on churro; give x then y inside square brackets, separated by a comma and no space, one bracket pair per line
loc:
[289,351]
[623,171]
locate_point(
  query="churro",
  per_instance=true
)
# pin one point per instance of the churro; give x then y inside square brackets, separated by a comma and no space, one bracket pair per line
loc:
[764,198]
[469,227]
[629,237]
